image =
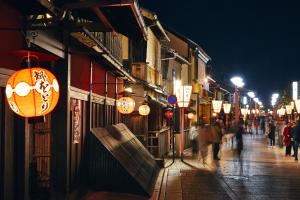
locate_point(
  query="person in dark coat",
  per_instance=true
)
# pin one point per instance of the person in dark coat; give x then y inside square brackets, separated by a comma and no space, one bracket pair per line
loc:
[217,129]
[239,139]
[287,134]
[297,140]
[272,129]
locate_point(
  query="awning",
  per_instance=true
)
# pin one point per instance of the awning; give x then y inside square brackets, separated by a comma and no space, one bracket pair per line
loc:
[123,16]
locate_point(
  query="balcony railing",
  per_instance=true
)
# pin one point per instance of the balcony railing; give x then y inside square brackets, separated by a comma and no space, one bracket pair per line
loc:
[112,42]
[144,72]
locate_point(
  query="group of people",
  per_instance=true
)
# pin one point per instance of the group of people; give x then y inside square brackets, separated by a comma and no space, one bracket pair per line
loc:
[202,136]
[291,138]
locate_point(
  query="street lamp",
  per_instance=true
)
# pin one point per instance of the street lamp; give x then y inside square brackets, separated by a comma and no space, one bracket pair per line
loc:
[217,105]
[238,83]
[183,94]
[251,95]
[227,107]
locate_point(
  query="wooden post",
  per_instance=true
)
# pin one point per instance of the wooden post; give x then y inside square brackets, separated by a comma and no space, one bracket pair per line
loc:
[61,135]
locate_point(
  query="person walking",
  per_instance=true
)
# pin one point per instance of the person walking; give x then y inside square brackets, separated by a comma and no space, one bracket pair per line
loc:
[297,140]
[194,138]
[263,125]
[272,129]
[293,130]
[217,132]
[287,134]
[256,124]
[239,139]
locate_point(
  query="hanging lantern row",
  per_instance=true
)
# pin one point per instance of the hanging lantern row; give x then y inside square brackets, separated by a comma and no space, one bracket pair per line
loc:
[32,92]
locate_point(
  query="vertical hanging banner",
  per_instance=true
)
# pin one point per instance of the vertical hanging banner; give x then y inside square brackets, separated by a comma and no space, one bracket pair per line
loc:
[76,121]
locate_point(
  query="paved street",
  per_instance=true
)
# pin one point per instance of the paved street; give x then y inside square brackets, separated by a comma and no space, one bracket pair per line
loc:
[261,173]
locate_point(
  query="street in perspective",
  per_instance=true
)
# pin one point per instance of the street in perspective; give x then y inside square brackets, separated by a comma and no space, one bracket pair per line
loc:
[149,100]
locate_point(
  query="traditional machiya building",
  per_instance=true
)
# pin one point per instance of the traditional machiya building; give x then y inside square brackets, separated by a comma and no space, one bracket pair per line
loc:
[187,62]
[82,44]
[144,60]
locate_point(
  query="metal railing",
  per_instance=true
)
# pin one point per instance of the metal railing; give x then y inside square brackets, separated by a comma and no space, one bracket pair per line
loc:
[158,142]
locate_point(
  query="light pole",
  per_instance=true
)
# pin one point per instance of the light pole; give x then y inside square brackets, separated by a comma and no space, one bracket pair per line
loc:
[227,107]
[251,95]
[238,83]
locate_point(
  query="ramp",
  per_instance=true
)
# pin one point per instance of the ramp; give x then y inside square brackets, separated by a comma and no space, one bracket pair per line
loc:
[118,161]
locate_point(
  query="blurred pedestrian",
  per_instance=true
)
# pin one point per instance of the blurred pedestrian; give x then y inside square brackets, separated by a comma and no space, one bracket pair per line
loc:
[272,129]
[263,125]
[217,132]
[293,130]
[287,134]
[239,138]
[256,124]
[297,140]
[194,138]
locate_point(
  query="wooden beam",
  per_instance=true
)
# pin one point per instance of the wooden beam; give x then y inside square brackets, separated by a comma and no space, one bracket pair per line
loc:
[103,18]
[96,3]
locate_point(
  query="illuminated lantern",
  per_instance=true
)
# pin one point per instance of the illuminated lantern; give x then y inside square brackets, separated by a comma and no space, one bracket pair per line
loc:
[169,114]
[144,110]
[32,92]
[191,115]
[125,105]
[227,107]
[217,105]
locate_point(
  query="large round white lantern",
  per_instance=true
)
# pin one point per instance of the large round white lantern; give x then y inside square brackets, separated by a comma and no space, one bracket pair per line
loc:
[125,105]
[144,110]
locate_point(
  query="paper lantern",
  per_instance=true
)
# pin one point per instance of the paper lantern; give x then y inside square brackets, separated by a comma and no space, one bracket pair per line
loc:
[169,114]
[288,109]
[125,105]
[217,105]
[227,107]
[32,92]
[144,110]
[183,94]
[191,115]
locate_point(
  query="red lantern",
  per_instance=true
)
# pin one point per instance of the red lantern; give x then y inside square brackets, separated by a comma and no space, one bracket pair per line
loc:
[169,114]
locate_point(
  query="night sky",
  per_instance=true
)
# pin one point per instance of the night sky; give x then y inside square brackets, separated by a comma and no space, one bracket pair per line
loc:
[259,40]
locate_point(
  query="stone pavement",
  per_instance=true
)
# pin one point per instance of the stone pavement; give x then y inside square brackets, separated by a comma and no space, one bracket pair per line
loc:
[260,173]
